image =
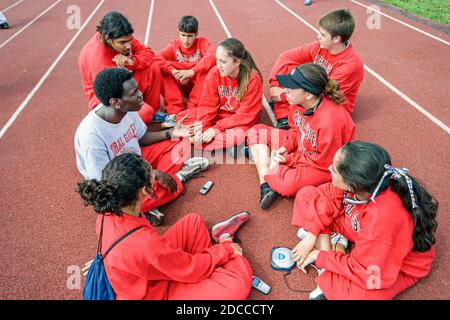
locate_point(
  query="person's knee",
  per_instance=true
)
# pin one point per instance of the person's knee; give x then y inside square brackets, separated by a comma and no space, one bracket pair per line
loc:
[257,134]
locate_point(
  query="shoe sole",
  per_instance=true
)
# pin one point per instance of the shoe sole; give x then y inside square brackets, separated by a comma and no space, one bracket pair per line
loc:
[220,224]
[267,200]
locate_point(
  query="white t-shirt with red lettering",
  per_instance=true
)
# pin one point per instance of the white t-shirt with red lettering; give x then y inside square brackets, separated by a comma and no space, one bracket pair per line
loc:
[98,141]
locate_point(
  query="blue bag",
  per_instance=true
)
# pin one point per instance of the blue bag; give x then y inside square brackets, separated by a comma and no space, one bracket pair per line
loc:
[97,286]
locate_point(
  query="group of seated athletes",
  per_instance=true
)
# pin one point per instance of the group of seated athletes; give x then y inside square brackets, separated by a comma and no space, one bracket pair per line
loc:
[367,226]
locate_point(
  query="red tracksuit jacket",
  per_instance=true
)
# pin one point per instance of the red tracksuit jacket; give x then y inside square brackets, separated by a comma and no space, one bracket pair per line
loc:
[142,265]
[381,232]
[221,109]
[345,67]
[314,139]
[95,57]
[200,57]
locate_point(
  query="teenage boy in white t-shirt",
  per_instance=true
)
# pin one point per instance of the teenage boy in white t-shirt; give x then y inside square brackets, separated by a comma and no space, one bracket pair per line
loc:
[114,127]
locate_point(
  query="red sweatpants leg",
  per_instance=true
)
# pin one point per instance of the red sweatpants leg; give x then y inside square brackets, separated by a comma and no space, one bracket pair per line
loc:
[287,181]
[150,83]
[230,281]
[281,109]
[196,87]
[168,156]
[337,287]
[173,97]
[226,139]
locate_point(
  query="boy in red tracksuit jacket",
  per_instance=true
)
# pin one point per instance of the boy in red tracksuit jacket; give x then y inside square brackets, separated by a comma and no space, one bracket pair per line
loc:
[333,52]
[225,117]
[114,46]
[385,259]
[288,160]
[184,64]
[183,263]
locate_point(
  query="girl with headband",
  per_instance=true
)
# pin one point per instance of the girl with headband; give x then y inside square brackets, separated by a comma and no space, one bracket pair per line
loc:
[289,160]
[386,213]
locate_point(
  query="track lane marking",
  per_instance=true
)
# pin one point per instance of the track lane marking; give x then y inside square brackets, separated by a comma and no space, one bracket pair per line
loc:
[29,24]
[11,6]
[389,85]
[264,100]
[47,74]
[149,23]
[403,23]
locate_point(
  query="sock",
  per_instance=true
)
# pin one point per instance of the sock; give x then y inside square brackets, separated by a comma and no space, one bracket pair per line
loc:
[179,177]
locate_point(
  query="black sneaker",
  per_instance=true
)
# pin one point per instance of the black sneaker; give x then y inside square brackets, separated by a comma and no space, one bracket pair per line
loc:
[283,124]
[267,196]
[317,294]
[4,25]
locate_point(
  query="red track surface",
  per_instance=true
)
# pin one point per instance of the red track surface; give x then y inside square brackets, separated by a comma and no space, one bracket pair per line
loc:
[44,227]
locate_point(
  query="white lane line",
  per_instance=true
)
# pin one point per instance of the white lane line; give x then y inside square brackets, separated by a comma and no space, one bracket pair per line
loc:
[385,82]
[403,23]
[11,6]
[149,23]
[47,74]
[29,23]
[264,100]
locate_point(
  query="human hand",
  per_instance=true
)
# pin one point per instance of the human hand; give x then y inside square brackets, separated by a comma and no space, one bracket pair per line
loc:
[237,249]
[185,75]
[181,130]
[208,135]
[303,248]
[166,181]
[275,93]
[311,258]
[121,61]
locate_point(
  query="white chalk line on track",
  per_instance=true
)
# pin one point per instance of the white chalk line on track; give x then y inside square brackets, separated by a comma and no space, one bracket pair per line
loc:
[11,6]
[149,23]
[401,22]
[47,73]
[264,100]
[29,24]
[410,101]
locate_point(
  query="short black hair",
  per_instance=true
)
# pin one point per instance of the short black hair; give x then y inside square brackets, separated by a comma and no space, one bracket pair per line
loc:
[115,25]
[108,84]
[188,24]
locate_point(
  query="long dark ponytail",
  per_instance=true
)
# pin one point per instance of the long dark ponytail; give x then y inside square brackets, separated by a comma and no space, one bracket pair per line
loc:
[121,180]
[237,51]
[362,166]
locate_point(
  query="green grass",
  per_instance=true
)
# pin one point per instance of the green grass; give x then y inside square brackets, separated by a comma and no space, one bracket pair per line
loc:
[436,10]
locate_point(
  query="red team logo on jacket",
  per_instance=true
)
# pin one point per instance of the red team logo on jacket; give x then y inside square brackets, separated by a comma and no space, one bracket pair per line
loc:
[324,63]
[228,100]
[308,137]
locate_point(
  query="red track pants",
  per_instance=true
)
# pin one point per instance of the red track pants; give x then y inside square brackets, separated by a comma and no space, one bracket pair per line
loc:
[335,286]
[226,139]
[286,180]
[150,84]
[167,156]
[173,92]
[281,109]
[230,281]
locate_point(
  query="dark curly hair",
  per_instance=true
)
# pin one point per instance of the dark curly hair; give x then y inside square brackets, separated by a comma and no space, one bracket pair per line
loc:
[108,84]
[121,180]
[361,168]
[114,25]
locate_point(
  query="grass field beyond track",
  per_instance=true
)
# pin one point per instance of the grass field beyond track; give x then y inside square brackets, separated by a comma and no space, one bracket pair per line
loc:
[436,10]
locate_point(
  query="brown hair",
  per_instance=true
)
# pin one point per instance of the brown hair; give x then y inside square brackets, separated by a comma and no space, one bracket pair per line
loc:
[318,77]
[237,51]
[338,23]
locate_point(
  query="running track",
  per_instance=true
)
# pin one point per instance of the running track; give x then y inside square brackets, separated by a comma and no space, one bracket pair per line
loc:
[44,227]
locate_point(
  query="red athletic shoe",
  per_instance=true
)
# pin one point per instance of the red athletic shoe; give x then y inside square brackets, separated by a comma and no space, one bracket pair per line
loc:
[230,226]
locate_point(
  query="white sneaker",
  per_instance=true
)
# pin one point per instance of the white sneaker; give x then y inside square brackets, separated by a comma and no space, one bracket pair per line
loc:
[192,167]
[317,294]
